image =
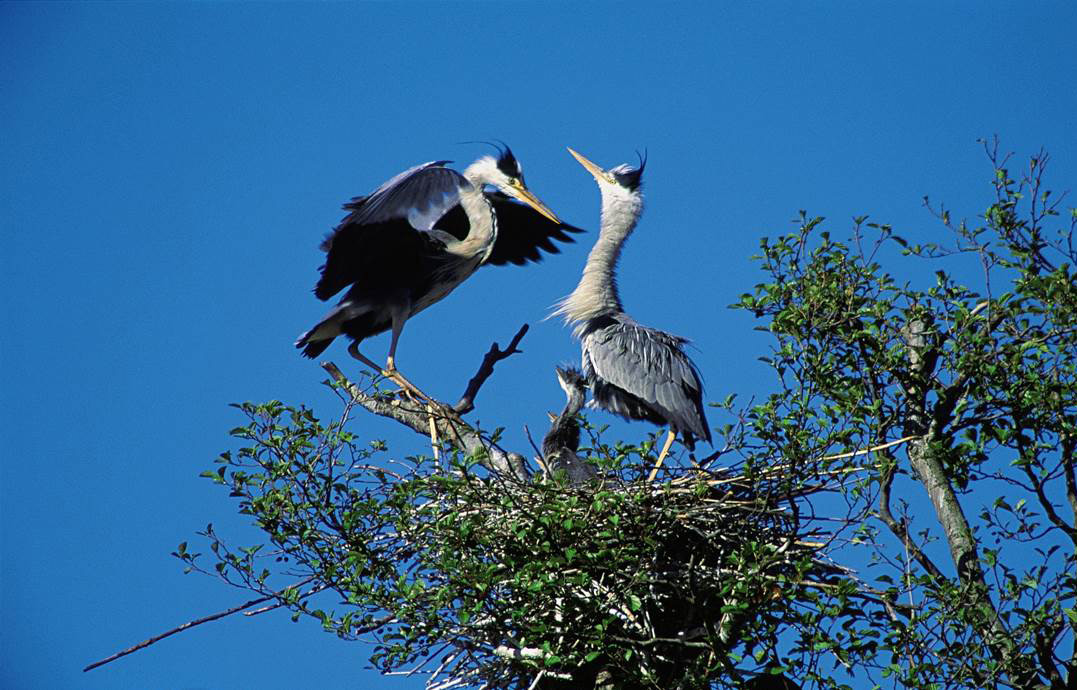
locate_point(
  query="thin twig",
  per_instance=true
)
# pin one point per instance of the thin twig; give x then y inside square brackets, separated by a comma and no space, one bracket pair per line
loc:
[191,624]
[279,604]
[538,453]
[495,355]
[873,449]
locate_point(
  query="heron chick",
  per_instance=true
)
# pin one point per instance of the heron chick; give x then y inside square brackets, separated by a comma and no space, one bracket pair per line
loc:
[633,371]
[561,442]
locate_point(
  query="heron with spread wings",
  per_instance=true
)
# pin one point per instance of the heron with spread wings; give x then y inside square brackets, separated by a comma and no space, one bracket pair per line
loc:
[633,371]
[415,238]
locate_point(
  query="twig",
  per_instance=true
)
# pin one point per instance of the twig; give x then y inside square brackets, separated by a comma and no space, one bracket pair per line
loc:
[495,355]
[191,624]
[873,449]
[434,443]
[538,453]
[279,604]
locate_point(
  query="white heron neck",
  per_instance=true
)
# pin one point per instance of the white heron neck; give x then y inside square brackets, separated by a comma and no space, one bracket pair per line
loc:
[596,294]
[480,215]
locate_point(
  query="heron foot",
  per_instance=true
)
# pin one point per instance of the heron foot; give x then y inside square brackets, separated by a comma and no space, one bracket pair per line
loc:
[409,389]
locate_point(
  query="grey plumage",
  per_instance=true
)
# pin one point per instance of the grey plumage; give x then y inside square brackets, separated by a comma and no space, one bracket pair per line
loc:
[633,371]
[420,194]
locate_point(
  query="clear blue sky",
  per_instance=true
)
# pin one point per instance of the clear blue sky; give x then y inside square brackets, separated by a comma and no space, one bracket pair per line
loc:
[167,171]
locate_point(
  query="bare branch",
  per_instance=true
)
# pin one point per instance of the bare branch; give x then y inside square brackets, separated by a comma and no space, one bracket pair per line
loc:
[190,624]
[901,529]
[467,400]
[448,423]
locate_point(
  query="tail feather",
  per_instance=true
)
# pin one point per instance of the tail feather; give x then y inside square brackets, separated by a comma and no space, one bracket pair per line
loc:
[314,348]
[345,319]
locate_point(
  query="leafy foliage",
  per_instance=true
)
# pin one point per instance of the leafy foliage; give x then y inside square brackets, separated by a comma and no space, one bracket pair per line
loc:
[982,382]
[498,579]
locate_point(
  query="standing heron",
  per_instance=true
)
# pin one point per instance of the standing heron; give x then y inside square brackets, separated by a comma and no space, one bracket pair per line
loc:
[633,371]
[418,236]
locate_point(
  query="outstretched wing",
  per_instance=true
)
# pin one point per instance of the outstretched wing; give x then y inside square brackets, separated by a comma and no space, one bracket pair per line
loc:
[380,256]
[651,367]
[420,195]
[523,232]
[381,230]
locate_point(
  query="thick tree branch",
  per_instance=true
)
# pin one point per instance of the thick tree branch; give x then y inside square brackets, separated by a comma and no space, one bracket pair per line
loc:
[900,529]
[467,400]
[920,337]
[925,459]
[448,425]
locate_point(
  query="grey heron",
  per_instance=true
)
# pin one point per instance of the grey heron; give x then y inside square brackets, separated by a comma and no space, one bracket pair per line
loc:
[415,238]
[633,371]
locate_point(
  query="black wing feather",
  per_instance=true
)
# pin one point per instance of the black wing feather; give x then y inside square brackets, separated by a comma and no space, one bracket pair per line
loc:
[455,222]
[377,234]
[375,254]
[523,233]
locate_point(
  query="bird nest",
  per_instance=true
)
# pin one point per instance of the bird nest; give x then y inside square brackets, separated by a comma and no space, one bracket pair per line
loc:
[570,577]
[611,579]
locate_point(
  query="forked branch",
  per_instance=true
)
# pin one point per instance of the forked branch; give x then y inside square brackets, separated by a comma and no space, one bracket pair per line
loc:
[467,400]
[446,421]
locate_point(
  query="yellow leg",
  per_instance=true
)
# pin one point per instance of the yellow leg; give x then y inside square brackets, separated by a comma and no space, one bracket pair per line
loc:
[662,456]
[391,373]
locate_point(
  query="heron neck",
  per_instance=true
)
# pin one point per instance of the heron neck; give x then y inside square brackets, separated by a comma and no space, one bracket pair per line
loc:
[597,294]
[483,226]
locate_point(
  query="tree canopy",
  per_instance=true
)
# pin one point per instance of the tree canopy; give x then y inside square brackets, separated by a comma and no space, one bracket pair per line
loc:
[803,550]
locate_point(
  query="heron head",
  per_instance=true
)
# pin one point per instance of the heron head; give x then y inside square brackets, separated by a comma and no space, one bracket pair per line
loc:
[573,384]
[507,175]
[570,378]
[507,163]
[624,175]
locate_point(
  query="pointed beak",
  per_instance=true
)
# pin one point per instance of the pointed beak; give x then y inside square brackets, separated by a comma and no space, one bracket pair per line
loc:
[588,165]
[524,194]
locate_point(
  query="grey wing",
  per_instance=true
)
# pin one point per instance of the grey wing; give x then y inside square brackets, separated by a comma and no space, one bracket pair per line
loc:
[420,195]
[650,365]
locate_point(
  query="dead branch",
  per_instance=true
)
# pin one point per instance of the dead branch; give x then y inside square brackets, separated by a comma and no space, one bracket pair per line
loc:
[190,624]
[467,400]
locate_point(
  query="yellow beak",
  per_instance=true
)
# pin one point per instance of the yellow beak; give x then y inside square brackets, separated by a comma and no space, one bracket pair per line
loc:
[524,194]
[588,165]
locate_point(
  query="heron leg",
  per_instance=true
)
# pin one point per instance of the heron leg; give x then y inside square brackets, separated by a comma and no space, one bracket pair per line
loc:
[390,373]
[400,317]
[409,388]
[662,456]
[353,350]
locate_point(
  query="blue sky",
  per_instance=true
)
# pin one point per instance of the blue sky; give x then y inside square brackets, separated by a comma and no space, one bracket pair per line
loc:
[168,171]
